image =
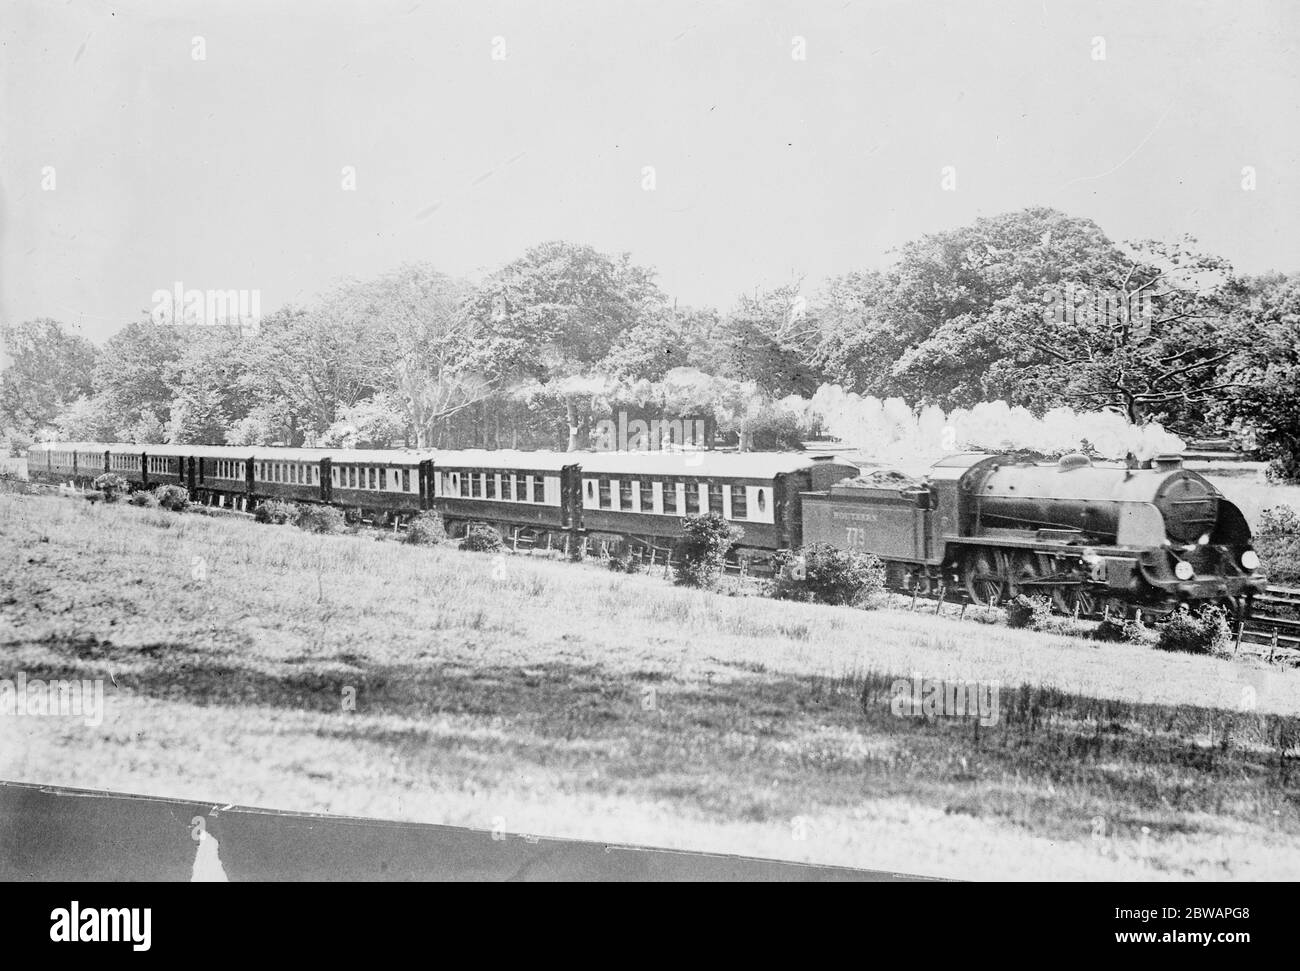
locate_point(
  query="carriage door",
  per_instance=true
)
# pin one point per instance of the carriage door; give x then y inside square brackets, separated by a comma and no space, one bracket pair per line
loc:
[326,485]
[571,497]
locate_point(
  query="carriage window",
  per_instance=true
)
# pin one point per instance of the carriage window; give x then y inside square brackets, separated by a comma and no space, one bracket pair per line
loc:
[692,497]
[625,494]
[739,509]
[474,484]
[670,496]
[406,480]
[507,486]
[715,498]
[521,489]
[591,489]
[539,489]
[604,494]
[762,499]
[315,474]
[383,478]
[491,486]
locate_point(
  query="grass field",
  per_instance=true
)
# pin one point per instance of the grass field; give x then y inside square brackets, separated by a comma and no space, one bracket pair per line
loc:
[538,697]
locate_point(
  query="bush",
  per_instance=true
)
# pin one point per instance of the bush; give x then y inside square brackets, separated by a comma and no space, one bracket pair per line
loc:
[823,573]
[706,540]
[111,486]
[144,499]
[1027,611]
[626,563]
[19,444]
[1204,632]
[1108,630]
[481,539]
[426,529]
[276,511]
[1277,541]
[319,519]
[172,497]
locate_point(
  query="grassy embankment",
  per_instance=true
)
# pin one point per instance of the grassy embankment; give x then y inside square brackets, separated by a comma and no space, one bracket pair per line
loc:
[544,697]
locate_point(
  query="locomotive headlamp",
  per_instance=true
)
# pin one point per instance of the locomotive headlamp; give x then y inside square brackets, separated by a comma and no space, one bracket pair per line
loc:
[1250,560]
[1183,570]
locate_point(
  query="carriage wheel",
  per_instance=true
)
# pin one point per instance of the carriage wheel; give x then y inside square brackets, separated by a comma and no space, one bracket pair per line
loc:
[984,585]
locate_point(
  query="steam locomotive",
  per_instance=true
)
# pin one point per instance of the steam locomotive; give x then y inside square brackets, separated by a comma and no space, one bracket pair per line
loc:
[1157,534]
[992,525]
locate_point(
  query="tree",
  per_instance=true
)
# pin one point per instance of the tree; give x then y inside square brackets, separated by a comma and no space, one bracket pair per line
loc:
[771,339]
[425,338]
[558,312]
[1039,309]
[373,423]
[86,420]
[197,417]
[1264,372]
[49,370]
[138,371]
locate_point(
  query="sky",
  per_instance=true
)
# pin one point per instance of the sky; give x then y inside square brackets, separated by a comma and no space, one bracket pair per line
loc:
[476,129]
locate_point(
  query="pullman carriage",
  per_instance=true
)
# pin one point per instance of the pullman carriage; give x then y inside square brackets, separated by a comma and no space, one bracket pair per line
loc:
[382,482]
[526,494]
[91,461]
[644,495]
[168,464]
[59,462]
[127,460]
[290,474]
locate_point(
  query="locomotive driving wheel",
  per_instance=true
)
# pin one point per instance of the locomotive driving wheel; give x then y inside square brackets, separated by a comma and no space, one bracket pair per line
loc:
[1024,573]
[1068,590]
[985,584]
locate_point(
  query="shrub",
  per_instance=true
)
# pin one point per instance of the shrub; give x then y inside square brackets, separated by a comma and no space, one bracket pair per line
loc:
[481,539]
[145,499]
[1108,630]
[1204,632]
[111,486]
[426,529]
[172,497]
[1277,541]
[275,511]
[625,563]
[826,574]
[1029,611]
[319,519]
[92,496]
[19,443]
[706,540]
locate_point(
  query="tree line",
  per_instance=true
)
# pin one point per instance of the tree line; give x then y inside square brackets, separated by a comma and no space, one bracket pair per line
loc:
[1036,308]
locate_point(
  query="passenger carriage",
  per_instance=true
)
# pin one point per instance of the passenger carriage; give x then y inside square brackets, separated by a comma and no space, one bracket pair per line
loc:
[528,494]
[644,495]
